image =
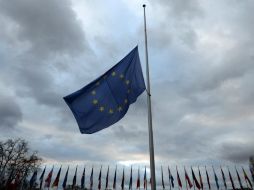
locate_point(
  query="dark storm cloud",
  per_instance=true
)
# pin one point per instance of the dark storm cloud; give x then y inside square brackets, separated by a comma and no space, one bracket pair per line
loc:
[10,112]
[50,27]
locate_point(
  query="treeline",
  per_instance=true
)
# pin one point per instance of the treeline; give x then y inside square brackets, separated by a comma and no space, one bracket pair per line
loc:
[17,162]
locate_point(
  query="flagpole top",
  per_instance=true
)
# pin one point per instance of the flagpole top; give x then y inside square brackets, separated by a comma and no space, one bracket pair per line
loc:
[144,5]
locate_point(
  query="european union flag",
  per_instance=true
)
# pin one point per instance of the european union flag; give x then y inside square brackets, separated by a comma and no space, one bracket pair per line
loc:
[106,100]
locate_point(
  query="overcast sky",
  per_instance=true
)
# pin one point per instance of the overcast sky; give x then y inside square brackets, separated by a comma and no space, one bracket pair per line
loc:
[201,65]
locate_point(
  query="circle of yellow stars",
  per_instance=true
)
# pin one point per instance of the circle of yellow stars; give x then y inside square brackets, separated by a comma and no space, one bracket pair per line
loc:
[102,108]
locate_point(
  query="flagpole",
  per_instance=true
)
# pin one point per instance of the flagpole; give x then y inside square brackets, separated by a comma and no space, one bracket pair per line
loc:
[150,128]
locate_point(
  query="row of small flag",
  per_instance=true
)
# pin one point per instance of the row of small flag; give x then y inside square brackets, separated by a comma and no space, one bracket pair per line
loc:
[195,182]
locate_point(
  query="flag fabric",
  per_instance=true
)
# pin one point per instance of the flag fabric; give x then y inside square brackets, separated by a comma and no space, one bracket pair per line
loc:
[239,179]
[195,179]
[48,179]
[33,179]
[83,178]
[74,178]
[138,180]
[107,178]
[55,183]
[145,179]
[207,178]
[231,180]
[122,183]
[91,179]
[106,100]
[178,179]
[162,180]
[187,178]
[171,179]
[223,177]
[65,178]
[99,180]
[42,176]
[247,179]
[114,182]
[252,169]
[200,179]
[130,183]
[216,179]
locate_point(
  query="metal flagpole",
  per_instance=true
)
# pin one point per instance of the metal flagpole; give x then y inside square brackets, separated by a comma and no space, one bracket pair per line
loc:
[150,128]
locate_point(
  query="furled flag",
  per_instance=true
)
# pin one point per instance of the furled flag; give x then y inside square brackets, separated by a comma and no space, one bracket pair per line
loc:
[130,183]
[145,179]
[239,179]
[42,176]
[114,182]
[178,179]
[138,180]
[200,179]
[91,179]
[33,179]
[122,183]
[99,180]
[65,178]
[231,180]
[223,177]
[171,179]
[246,178]
[55,183]
[207,178]
[83,178]
[187,178]
[251,166]
[106,100]
[162,180]
[107,178]
[74,178]
[216,179]
[48,179]
[195,179]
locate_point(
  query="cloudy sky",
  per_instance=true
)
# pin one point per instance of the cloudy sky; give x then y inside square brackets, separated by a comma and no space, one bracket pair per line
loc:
[201,65]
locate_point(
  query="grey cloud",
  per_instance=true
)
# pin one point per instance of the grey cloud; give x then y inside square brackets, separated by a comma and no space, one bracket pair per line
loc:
[181,9]
[237,151]
[50,27]
[10,112]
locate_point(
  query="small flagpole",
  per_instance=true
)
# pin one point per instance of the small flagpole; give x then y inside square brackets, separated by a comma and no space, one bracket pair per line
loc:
[150,128]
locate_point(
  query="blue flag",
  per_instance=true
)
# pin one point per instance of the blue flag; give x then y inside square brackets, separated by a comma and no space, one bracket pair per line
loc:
[65,178]
[106,100]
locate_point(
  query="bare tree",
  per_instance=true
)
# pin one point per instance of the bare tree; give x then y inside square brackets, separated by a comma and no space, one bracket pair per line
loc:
[16,163]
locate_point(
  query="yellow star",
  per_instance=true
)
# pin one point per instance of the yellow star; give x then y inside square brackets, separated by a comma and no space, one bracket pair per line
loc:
[95,101]
[101,109]
[120,108]
[93,92]
[111,111]
[127,82]
[121,76]
[113,73]
[98,83]
[125,101]
[128,91]
[105,76]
